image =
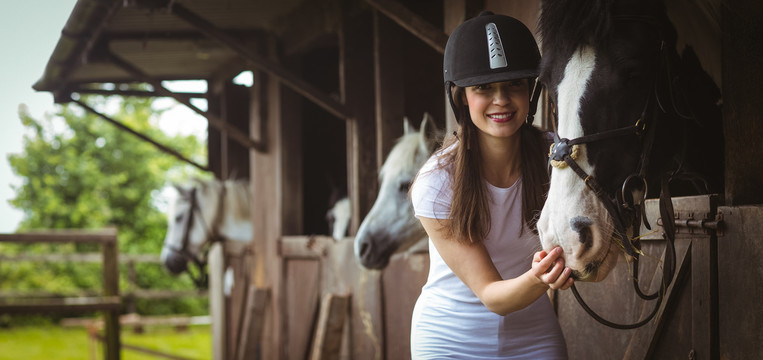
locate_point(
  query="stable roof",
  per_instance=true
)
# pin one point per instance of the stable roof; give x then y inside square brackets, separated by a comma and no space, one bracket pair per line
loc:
[152,36]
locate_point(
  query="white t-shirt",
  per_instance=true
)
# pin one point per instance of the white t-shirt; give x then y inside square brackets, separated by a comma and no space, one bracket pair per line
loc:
[449,321]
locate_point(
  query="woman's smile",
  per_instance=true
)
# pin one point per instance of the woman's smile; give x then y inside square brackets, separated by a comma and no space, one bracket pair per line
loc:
[501,117]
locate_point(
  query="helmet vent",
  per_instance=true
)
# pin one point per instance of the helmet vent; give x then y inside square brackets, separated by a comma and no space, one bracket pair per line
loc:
[495,47]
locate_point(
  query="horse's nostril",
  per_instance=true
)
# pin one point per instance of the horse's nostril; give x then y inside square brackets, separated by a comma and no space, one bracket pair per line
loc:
[582,226]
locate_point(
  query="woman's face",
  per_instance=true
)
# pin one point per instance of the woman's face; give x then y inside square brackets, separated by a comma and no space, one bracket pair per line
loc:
[499,109]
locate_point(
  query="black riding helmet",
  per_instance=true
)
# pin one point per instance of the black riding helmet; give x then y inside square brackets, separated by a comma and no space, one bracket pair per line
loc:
[491,48]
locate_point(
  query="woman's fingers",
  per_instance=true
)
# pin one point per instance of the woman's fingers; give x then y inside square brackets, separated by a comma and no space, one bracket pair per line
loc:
[552,275]
[546,262]
[563,281]
[549,268]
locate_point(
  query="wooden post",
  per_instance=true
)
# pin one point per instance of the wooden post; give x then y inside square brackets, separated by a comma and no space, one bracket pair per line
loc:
[454,13]
[254,317]
[389,85]
[217,300]
[357,91]
[328,331]
[111,288]
[742,74]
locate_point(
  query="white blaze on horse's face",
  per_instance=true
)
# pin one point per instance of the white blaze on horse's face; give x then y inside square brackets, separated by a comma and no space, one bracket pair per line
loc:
[573,217]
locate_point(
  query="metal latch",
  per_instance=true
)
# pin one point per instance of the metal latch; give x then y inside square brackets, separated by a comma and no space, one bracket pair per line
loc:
[697,223]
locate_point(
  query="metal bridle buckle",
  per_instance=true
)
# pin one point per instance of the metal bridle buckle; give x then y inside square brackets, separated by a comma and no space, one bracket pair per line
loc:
[636,202]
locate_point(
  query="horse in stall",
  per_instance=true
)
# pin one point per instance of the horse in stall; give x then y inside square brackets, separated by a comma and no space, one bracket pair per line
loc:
[390,226]
[338,217]
[633,119]
[200,215]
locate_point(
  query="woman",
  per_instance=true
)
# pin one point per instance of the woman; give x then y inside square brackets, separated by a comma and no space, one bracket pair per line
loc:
[477,198]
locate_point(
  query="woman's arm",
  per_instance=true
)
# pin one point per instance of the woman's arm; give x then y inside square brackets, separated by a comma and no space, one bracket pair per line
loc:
[472,264]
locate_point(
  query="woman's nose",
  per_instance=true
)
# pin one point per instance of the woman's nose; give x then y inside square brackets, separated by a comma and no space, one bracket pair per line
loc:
[501,96]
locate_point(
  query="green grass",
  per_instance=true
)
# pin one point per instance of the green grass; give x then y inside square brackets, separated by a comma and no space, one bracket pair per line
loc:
[57,343]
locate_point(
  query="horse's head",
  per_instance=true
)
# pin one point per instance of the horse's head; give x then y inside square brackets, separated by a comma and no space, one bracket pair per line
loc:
[199,213]
[390,225]
[601,64]
[338,217]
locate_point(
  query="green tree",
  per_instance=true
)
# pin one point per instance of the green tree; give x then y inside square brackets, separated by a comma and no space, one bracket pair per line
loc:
[80,172]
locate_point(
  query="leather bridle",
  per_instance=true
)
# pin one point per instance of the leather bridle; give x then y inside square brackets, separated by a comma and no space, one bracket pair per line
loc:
[627,213]
[213,235]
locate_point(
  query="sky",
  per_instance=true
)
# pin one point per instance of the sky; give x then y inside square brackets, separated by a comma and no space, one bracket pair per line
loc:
[30,31]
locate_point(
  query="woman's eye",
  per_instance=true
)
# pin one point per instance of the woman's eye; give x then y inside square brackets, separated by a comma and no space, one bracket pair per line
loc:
[482,87]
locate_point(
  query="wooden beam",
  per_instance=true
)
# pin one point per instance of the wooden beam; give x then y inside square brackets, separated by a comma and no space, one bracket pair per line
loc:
[62,236]
[213,119]
[136,93]
[304,247]
[328,331]
[415,24]
[141,136]
[271,68]
[78,304]
[79,257]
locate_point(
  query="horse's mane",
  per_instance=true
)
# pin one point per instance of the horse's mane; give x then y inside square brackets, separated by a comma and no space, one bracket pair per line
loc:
[236,199]
[402,156]
[565,25]
[405,154]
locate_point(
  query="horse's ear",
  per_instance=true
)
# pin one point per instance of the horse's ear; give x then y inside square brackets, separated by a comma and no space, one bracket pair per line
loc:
[428,129]
[406,125]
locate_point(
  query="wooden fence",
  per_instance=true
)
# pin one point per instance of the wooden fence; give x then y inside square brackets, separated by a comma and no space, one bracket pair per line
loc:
[108,302]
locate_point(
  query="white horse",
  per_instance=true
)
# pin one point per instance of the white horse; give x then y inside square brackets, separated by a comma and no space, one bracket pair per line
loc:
[200,215]
[390,226]
[338,218]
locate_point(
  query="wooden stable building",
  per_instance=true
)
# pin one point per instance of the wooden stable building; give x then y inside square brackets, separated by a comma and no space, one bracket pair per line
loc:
[333,80]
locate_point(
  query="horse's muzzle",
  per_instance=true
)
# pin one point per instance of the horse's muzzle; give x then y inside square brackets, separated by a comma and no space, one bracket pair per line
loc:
[175,263]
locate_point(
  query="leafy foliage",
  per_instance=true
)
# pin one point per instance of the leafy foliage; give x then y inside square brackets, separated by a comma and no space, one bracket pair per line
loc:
[80,172]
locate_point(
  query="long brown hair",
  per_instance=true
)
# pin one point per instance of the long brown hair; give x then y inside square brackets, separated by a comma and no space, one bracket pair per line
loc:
[470,211]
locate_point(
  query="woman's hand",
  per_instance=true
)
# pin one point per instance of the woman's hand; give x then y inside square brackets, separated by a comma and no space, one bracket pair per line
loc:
[549,269]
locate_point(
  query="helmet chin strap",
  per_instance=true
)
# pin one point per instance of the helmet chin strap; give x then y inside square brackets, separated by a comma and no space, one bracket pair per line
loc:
[449,90]
[534,97]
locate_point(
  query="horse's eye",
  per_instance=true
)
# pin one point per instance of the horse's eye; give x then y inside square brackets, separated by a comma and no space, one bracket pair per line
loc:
[404,186]
[179,218]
